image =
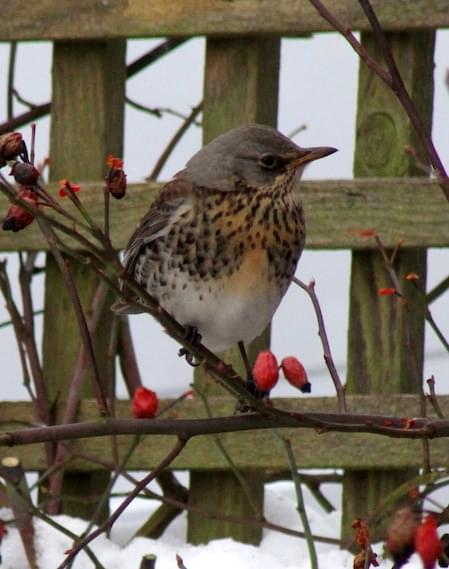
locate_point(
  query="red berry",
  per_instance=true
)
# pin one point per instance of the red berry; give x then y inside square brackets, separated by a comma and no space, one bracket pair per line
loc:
[427,542]
[265,371]
[295,373]
[144,404]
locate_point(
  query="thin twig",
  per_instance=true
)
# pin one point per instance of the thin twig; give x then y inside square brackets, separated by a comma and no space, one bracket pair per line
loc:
[157,112]
[73,397]
[300,506]
[340,390]
[149,494]
[179,446]
[433,397]
[392,78]
[246,488]
[437,291]
[173,142]
[67,274]
[127,356]
[10,80]
[389,261]
[43,109]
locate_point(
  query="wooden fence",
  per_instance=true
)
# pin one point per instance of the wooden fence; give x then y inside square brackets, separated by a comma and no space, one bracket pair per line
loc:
[241,85]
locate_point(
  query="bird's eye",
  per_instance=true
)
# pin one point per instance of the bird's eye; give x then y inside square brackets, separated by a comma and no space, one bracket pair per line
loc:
[269,161]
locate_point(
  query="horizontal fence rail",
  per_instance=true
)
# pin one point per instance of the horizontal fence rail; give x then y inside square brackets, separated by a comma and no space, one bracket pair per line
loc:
[337,211]
[96,19]
[250,449]
[410,209]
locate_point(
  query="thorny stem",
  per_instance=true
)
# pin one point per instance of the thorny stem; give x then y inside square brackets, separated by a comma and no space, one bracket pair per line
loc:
[339,388]
[179,446]
[300,506]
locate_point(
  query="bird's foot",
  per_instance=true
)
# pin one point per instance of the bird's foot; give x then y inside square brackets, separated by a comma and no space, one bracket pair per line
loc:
[251,386]
[191,335]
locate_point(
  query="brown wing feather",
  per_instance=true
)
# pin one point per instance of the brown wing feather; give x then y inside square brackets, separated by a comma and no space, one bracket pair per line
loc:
[169,199]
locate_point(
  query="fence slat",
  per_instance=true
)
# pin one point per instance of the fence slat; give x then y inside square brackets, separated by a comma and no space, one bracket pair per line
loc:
[55,20]
[386,341]
[87,124]
[241,86]
[412,210]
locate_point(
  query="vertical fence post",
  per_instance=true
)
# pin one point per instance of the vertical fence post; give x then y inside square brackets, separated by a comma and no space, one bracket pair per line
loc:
[86,125]
[240,86]
[385,343]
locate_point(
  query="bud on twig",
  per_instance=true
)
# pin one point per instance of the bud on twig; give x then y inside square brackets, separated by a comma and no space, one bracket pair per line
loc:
[116,177]
[17,217]
[25,173]
[11,146]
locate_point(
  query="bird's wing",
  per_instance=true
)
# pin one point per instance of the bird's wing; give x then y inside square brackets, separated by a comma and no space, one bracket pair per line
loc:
[158,219]
[169,203]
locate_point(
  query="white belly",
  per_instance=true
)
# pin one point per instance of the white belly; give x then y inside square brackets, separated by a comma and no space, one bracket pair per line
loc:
[227,310]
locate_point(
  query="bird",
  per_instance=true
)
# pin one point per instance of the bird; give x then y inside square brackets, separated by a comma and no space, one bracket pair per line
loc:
[219,246]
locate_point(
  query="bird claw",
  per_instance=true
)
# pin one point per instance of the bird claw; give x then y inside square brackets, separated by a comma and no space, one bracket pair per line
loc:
[192,335]
[190,358]
[243,406]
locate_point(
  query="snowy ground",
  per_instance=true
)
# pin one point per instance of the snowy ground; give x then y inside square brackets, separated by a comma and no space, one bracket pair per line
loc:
[277,551]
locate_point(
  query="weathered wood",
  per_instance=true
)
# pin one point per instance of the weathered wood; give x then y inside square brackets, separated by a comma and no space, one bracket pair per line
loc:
[312,450]
[411,209]
[240,86]
[53,19]
[87,125]
[386,341]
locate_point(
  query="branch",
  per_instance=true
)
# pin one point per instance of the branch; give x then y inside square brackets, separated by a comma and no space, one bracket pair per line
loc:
[390,426]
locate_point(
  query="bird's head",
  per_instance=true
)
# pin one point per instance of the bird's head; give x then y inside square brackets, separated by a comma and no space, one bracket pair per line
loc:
[252,155]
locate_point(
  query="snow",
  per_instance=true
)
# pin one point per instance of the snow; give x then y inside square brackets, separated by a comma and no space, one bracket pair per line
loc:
[276,551]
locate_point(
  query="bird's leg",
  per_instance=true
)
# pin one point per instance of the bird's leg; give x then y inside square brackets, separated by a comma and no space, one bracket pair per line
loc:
[191,335]
[250,383]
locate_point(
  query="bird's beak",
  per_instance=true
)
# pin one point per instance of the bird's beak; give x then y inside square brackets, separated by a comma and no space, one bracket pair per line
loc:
[306,155]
